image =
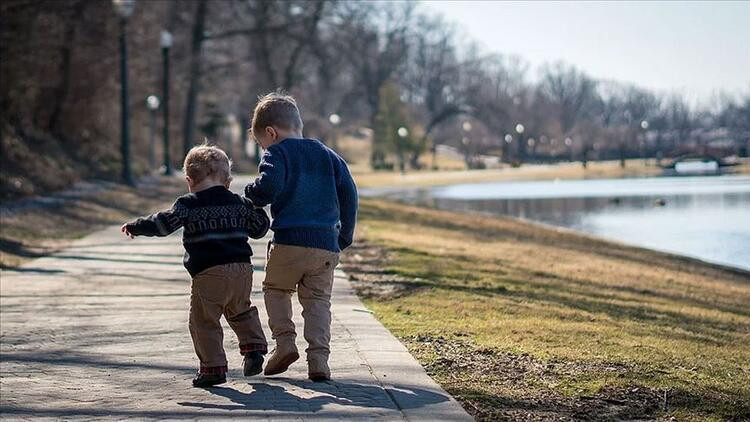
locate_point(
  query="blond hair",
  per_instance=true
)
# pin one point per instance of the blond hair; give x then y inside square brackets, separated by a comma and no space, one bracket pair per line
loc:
[207,160]
[276,109]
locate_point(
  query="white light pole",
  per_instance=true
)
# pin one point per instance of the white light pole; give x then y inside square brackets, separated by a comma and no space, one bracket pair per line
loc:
[165,42]
[644,128]
[521,144]
[402,133]
[335,119]
[152,103]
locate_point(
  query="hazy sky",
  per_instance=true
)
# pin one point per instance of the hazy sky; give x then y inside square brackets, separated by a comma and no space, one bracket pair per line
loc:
[695,48]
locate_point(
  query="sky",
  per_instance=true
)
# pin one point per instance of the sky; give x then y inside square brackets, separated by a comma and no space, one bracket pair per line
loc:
[692,48]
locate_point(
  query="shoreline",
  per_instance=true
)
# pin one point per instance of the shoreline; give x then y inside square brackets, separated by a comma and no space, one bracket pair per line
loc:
[408,195]
[562,229]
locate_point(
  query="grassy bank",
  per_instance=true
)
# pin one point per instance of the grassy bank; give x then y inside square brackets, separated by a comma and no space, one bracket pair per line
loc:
[529,323]
[38,226]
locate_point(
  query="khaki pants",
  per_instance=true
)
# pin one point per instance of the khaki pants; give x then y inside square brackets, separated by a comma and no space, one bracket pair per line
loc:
[310,272]
[223,290]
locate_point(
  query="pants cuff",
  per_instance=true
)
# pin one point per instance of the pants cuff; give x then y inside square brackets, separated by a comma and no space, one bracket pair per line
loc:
[247,348]
[213,369]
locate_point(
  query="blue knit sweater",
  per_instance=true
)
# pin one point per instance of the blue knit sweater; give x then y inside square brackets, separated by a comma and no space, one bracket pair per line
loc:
[312,194]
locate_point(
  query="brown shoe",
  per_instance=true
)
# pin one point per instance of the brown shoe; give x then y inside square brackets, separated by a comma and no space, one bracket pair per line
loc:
[319,376]
[317,368]
[280,360]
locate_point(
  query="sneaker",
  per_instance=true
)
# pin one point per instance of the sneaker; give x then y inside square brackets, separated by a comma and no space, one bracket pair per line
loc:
[280,360]
[252,364]
[209,380]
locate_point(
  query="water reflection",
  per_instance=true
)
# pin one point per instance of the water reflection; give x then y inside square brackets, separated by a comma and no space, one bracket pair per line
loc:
[703,217]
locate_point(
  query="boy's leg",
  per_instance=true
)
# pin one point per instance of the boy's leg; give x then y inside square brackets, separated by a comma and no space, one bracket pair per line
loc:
[240,314]
[206,306]
[315,298]
[283,272]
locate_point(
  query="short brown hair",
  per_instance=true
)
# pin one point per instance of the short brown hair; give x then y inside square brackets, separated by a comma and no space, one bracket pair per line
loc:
[276,109]
[207,160]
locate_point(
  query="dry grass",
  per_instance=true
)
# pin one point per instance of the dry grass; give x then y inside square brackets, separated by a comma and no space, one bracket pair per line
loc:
[600,169]
[525,322]
[35,227]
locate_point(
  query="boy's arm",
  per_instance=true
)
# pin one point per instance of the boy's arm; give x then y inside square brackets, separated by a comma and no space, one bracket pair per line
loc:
[264,189]
[259,222]
[162,223]
[346,191]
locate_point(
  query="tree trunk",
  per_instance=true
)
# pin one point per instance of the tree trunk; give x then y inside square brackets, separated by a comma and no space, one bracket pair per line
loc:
[63,88]
[195,76]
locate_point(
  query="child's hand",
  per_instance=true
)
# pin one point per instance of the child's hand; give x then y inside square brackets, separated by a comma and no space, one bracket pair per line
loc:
[124,229]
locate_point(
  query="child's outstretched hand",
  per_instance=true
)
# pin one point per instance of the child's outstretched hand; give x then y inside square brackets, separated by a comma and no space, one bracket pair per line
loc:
[124,229]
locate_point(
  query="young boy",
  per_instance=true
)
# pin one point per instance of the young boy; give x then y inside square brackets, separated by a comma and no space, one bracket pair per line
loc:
[314,208]
[216,225]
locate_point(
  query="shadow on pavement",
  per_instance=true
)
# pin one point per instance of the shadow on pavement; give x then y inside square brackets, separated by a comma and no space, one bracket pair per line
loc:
[318,395]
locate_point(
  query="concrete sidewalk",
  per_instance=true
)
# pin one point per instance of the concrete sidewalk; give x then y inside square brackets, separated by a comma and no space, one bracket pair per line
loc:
[99,330]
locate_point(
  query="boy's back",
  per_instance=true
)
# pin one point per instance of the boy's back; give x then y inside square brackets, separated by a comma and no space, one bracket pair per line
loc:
[216,225]
[312,195]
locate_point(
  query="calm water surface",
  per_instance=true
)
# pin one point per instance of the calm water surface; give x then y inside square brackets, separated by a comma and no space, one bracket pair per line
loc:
[706,217]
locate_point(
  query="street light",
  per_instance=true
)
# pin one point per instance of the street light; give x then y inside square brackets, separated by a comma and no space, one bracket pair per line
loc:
[521,144]
[124,9]
[152,103]
[644,127]
[335,119]
[402,133]
[165,42]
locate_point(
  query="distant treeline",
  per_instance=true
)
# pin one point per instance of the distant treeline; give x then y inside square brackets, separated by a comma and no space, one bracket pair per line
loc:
[382,65]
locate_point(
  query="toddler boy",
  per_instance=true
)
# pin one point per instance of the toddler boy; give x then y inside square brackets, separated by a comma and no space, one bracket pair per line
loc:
[216,226]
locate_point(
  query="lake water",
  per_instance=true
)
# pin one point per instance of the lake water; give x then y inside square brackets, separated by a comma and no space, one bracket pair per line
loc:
[706,217]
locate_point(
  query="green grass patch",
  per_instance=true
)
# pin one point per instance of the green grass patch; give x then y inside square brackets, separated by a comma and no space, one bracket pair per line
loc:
[524,322]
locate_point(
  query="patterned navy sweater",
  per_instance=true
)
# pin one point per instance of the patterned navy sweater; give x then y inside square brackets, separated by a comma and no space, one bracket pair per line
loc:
[312,194]
[216,226]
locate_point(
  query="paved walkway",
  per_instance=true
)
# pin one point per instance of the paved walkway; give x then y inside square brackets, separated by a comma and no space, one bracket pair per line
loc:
[99,330]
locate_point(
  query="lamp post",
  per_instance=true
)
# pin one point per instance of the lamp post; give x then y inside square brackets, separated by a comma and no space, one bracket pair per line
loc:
[124,9]
[166,42]
[335,119]
[402,133]
[506,147]
[521,144]
[152,103]
[644,128]
[569,144]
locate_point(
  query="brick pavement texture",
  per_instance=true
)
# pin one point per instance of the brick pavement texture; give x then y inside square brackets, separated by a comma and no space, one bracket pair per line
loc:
[99,331]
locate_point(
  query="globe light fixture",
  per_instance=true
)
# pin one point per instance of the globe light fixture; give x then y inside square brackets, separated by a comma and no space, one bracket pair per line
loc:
[520,128]
[403,132]
[466,126]
[334,119]
[508,138]
[165,39]
[152,102]
[644,124]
